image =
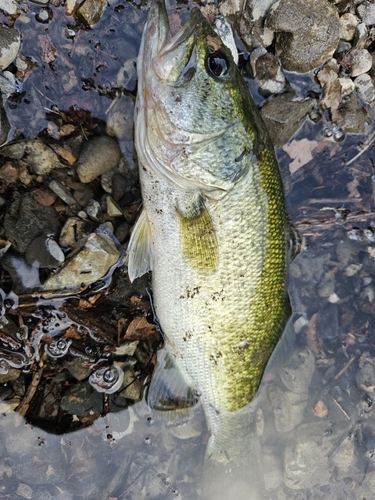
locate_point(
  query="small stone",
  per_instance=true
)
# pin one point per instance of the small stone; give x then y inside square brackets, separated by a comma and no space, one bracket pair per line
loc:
[24,491]
[43,16]
[361,37]
[361,62]
[44,196]
[354,119]
[74,229]
[288,408]
[91,11]
[10,42]
[347,86]
[364,85]
[94,211]
[352,269]
[9,7]
[8,85]
[122,231]
[296,375]
[90,264]
[99,155]
[366,11]
[62,192]
[113,210]
[120,119]
[133,386]
[41,159]
[119,185]
[9,173]
[14,151]
[44,252]
[84,195]
[267,70]
[348,24]
[41,2]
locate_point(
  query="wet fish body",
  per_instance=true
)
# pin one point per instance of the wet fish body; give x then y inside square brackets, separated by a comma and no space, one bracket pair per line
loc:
[213,229]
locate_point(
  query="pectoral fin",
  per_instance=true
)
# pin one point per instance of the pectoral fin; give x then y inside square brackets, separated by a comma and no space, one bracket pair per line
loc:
[140,250]
[169,389]
[198,238]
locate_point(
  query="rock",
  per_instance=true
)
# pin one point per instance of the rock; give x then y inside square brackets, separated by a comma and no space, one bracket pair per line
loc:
[283,116]
[267,70]
[16,150]
[296,375]
[361,62]
[288,408]
[84,195]
[44,196]
[43,16]
[113,210]
[44,252]
[62,192]
[41,2]
[354,119]
[10,42]
[348,24]
[364,85]
[80,399]
[27,220]
[9,7]
[90,264]
[8,85]
[361,37]
[99,155]
[347,86]
[91,11]
[41,158]
[9,172]
[119,186]
[94,211]
[366,11]
[307,33]
[120,119]
[122,231]
[24,491]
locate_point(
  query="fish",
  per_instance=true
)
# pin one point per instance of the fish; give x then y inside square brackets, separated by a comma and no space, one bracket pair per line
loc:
[214,228]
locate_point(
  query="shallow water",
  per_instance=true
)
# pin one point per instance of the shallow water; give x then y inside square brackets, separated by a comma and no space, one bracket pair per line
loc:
[313,434]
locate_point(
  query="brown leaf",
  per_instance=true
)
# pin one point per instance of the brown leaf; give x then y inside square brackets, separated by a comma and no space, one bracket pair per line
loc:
[320,409]
[300,152]
[331,97]
[139,329]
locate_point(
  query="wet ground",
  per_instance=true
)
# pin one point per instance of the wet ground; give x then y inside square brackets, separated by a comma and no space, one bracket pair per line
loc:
[75,366]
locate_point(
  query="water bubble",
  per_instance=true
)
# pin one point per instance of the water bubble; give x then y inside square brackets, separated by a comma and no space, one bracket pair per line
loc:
[148,440]
[327,132]
[108,379]
[58,348]
[150,420]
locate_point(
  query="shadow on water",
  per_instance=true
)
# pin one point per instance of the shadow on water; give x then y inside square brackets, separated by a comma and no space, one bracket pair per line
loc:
[309,433]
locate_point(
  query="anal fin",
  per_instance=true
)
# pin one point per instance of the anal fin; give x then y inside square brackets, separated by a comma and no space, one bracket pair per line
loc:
[140,251]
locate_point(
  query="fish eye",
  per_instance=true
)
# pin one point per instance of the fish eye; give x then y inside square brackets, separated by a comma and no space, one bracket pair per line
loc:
[218,64]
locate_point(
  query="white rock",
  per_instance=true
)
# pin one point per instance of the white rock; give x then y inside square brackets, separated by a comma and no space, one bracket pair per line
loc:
[347,86]
[361,62]
[348,23]
[366,11]
[364,85]
[10,41]
[9,6]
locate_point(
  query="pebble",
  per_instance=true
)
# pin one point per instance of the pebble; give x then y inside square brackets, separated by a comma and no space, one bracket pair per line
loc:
[90,11]
[44,252]
[62,192]
[296,375]
[90,264]
[361,38]
[83,195]
[288,408]
[42,2]
[267,70]
[24,491]
[348,24]
[364,85]
[354,119]
[43,16]
[14,151]
[8,84]
[361,62]
[120,119]
[307,33]
[347,86]
[99,155]
[74,229]
[94,211]
[9,173]
[122,231]
[41,159]
[366,11]
[113,210]
[119,186]
[9,7]
[10,42]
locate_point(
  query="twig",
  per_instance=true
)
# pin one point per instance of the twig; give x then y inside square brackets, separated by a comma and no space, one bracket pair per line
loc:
[346,366]
[341,408]
[368,143]
[25,403]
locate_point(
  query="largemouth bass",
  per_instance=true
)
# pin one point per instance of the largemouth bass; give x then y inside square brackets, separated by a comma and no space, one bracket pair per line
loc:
[214,229]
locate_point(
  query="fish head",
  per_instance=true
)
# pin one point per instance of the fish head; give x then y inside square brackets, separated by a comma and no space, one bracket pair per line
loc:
[194,114]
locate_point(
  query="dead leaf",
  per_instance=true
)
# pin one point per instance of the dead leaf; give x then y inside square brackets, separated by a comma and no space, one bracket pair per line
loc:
[24,66]
[331,98]
[139,329]
[72,333]
[300,152]
[49,50]
[311,335]
[320,409]
[352,188]
[367,388]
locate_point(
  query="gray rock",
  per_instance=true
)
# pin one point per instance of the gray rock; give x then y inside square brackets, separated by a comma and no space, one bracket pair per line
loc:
[44,252]
[113,210]
[26,220]
[122,231]
[361,37]
[354,119]
[119,186]
[366,11]
[74,229]
[120,119]
[94,211]
[62,192]
[99,155]
[41,158]
[9,6]
[106,180]
[16,150]
[24,491]
[364,85]
[348,24]
[76,369]
[283,116]
[80,399]
[90,11]
[83,195]
[307,33]
[347,86]
[361,62]
[90,264]
[267,70]
[288,408]
[10,42]
[297,373]
[8,83]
